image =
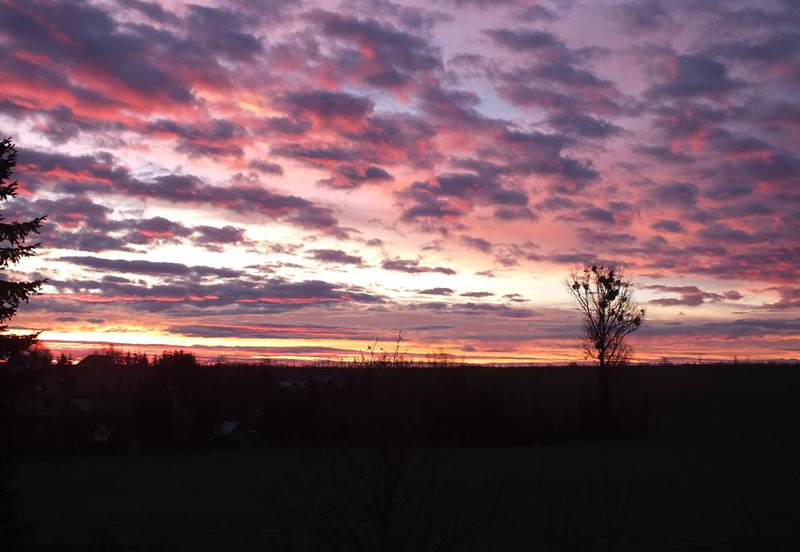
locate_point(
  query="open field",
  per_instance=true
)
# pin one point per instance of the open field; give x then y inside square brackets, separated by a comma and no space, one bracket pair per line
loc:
[694,497]
[718,471]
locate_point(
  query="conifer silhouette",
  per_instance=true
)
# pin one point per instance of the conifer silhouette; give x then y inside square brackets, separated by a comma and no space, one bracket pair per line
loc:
[13,248]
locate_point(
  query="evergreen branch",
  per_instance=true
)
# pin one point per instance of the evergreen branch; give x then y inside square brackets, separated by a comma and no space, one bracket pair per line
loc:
[17,232]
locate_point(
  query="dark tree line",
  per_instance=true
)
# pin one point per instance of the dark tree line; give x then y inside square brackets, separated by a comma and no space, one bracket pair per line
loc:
[173,401]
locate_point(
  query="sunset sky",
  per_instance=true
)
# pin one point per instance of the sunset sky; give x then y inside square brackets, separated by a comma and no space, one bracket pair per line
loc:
[296,178]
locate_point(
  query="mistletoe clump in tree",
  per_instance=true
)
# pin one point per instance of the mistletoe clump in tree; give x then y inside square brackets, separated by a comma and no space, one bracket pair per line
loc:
[605,299]
[13,248]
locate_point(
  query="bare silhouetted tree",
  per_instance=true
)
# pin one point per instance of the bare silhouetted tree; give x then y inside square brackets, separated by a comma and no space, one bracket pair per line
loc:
[605,299]
[385,498]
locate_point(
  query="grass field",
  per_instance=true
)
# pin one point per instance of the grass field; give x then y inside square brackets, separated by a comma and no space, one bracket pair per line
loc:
[720,471]
[668,498]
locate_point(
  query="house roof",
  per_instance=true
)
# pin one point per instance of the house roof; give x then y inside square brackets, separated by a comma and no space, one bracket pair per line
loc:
[225,427]
[100,376]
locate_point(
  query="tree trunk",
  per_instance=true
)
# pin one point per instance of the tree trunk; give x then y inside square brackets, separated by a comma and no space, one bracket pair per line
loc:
[604,385]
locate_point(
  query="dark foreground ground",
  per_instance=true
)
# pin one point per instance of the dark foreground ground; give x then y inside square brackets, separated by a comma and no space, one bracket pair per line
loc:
[719,469]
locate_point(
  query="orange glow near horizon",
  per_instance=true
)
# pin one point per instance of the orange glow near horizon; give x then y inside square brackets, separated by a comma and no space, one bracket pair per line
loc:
[322,177]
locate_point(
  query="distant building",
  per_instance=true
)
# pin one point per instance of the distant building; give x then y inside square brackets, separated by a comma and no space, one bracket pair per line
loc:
[301,382]
[75,405]
[228,433]
[293,383]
